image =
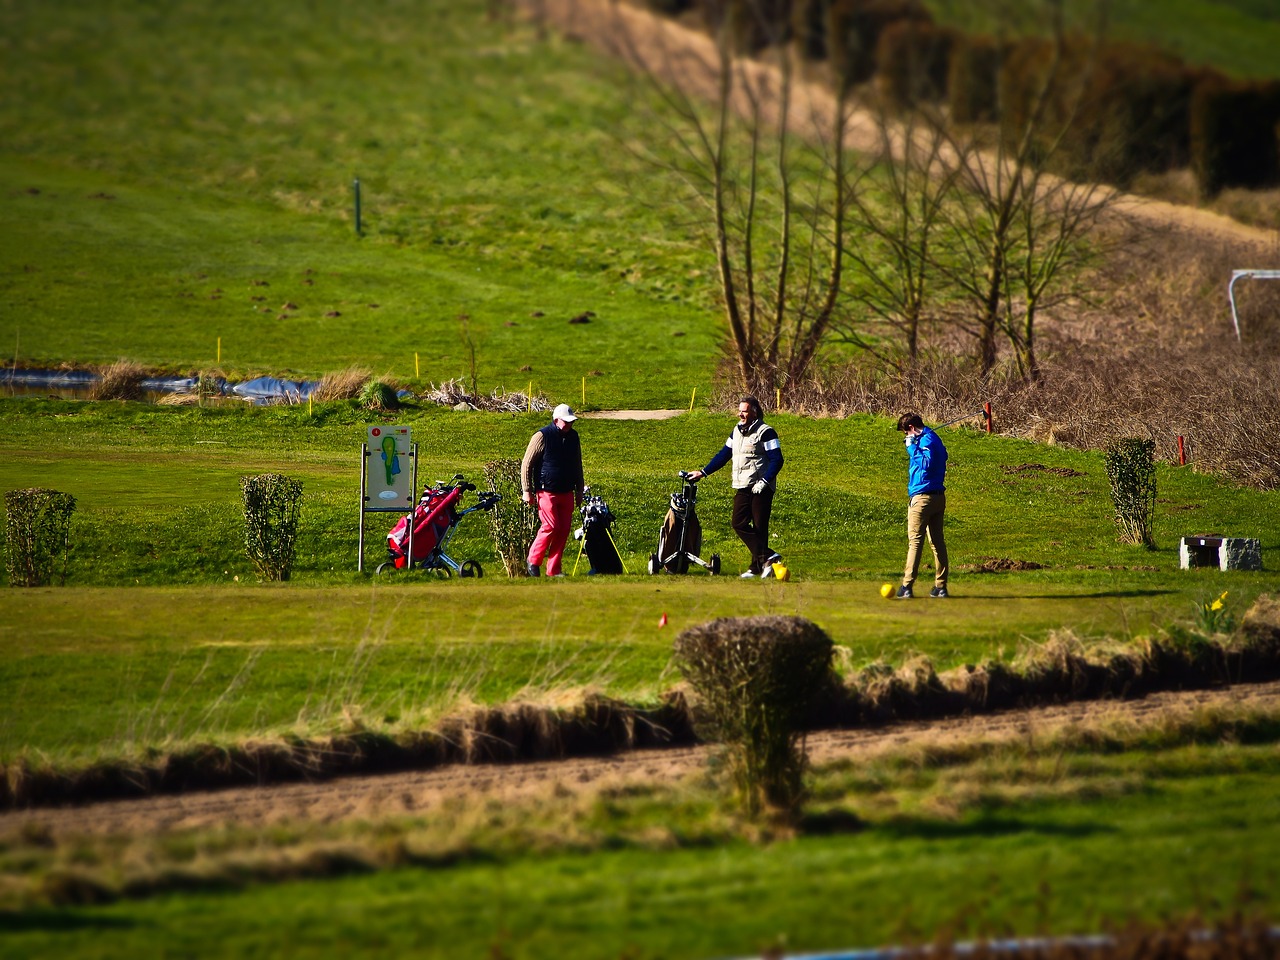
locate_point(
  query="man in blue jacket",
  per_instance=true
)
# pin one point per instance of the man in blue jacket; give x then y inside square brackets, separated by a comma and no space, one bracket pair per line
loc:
[756,454]
[926,488]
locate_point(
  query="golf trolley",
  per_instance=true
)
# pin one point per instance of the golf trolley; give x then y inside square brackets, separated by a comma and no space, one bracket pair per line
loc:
[595,537]
[434,521]
[680,539]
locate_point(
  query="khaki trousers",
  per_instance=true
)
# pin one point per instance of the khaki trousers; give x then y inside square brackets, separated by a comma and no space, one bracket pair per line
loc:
[924,517]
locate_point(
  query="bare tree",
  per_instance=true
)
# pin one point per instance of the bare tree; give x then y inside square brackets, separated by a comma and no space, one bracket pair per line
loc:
[775,204]
[895,223]
[1016,230]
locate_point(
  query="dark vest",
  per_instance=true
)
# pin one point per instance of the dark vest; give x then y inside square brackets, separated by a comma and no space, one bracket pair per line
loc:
[561,460]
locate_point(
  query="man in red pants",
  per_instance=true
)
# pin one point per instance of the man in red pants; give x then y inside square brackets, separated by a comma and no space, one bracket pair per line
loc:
[551,477]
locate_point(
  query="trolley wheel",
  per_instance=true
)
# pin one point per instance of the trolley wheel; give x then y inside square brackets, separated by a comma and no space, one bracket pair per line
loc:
[471,568]
[653,564]
[386,566]
[715,564]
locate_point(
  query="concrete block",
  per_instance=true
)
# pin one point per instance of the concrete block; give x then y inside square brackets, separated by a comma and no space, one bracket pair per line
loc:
[1225,553]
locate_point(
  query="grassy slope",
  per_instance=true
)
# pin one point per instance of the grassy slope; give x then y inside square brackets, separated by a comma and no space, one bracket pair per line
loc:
[1238,37]
[159,165]
[92,667]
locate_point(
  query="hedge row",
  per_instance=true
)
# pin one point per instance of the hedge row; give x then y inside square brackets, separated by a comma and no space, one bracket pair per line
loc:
[1118,111]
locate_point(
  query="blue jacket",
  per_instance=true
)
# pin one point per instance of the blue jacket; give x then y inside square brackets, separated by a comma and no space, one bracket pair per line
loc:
[927,466]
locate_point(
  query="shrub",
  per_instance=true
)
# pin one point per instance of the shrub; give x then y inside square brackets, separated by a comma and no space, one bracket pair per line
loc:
[379,396]
[809,27]
[512,522]
[757,677]
[853,32]
[1131,468]
[972,74]
[37,526]
[1234,141]
[912,60]
[272,504]
[753,24]
[1137,114]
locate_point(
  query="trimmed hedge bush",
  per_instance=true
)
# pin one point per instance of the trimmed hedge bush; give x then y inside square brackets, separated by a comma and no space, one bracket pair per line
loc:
[272,506]
[758,679]
[1135,115]
[1131,468]
[913,59]
[37,529]
[973,75]
[1234,137]
[753,24]
[853,33]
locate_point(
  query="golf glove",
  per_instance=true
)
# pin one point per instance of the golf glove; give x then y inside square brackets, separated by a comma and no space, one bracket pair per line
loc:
[911,441]
[760,486]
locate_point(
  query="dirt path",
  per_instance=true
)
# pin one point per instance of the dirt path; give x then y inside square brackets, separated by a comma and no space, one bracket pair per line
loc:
[678,54]
[632,414]
[415,794]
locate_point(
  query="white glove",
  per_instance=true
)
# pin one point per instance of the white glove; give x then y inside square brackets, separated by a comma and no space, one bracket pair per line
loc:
[911,441]
[760,486]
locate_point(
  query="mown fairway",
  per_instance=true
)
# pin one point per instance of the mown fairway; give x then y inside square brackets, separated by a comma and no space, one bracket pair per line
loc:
[123,656]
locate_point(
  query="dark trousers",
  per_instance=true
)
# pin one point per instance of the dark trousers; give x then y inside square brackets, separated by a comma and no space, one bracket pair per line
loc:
[751,523]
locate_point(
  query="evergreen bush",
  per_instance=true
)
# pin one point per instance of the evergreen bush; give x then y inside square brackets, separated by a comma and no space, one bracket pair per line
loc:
[853,33]
[37,528]
[912,60]
[1234,136]
[757,678]
[972,79]
[1131,469]
[272,505]
[752,24]
[809,20]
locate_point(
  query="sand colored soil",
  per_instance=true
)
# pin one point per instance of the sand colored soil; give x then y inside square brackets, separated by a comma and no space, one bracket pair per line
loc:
[414,794]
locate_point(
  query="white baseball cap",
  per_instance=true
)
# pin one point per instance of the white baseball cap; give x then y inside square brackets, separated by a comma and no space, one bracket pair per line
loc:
[564,412]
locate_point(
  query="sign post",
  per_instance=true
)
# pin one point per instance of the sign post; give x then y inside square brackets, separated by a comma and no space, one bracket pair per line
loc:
[388,477]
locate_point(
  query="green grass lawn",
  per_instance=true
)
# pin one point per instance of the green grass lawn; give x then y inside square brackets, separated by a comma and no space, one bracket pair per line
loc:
[1111,837]
[164,633]
[175,177]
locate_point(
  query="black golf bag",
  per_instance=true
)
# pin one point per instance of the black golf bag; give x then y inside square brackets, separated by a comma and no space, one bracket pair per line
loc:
[680,538]
[596,539]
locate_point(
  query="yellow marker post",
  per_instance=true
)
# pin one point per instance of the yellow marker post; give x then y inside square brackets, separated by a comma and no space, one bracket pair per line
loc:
[691,399]
[778,402]
[308,404]
[219,349]
[416,371]
[528,397]
[584,391]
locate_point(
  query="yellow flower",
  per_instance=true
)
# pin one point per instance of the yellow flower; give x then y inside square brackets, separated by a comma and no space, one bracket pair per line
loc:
[1217,604]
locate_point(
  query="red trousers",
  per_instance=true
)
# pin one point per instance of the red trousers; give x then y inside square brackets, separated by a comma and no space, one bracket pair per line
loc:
[555,510]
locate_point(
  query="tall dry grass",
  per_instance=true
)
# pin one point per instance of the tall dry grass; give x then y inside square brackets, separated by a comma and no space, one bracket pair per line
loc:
[341,385]
[121,380]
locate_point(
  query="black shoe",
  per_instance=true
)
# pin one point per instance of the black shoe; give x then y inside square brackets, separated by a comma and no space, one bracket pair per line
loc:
[939,593]
[904,593]
[535,570]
